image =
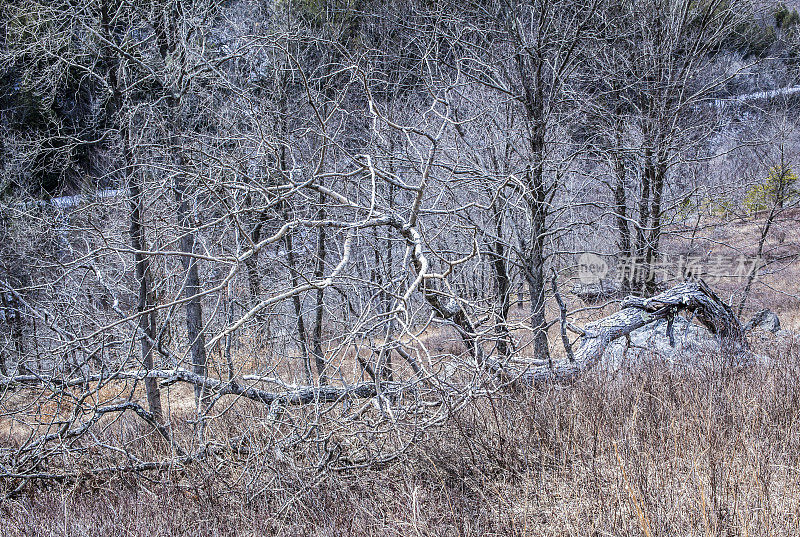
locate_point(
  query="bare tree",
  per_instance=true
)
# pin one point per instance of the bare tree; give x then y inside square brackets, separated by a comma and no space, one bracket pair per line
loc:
[365,189]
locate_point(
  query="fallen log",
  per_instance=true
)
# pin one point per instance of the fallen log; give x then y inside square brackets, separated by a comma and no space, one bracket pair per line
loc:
[695,298]
[595,293]
[298,395]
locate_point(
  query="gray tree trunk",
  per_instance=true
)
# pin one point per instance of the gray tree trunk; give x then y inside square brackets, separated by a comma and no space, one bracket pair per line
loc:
[144,278]
[191,287]
[146,302]
[319,272]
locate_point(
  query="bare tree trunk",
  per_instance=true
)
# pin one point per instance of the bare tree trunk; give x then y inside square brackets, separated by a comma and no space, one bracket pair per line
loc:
[653,250]
[4,298]
[13,317]
[563,311]
[500,267]
[621,212]
[530,70]
[187,223]
[781,192]
[534,274]
[294,276]
[641,271]
[385,298]
[191,288]
[319,272]
[146,302]
[384,367]
[169,47]
[534,269]
[144,278]
[251,264]
[751,276]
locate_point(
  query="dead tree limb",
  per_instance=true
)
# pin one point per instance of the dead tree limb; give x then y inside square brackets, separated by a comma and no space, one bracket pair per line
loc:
[636,312]
[694,297]
[301,395]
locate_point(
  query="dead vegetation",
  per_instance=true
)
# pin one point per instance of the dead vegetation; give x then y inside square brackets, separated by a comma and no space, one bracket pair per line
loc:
[695,450]
[339,267]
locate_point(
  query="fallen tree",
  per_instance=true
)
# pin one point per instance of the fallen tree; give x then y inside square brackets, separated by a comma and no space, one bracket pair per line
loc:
[28,460]
[694,298]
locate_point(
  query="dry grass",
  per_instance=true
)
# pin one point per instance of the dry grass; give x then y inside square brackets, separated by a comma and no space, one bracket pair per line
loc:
[776,286]
[699,450]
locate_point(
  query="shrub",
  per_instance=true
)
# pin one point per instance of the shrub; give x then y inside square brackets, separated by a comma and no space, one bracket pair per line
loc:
[779,188]
[786,18]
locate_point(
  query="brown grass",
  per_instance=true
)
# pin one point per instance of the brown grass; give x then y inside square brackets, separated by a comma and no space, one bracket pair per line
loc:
[699,450]
[776,286]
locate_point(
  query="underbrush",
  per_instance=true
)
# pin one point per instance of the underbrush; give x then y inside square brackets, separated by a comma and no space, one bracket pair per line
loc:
[661,450]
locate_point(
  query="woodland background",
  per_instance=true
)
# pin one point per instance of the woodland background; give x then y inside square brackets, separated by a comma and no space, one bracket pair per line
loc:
[318,266]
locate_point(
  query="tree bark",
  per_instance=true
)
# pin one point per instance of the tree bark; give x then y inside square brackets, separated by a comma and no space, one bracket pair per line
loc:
[146,301]
[251,264]
[319,271]
[191,288]
[503,282]
[621,213]
[294,277]
[144,278]
[636,312]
